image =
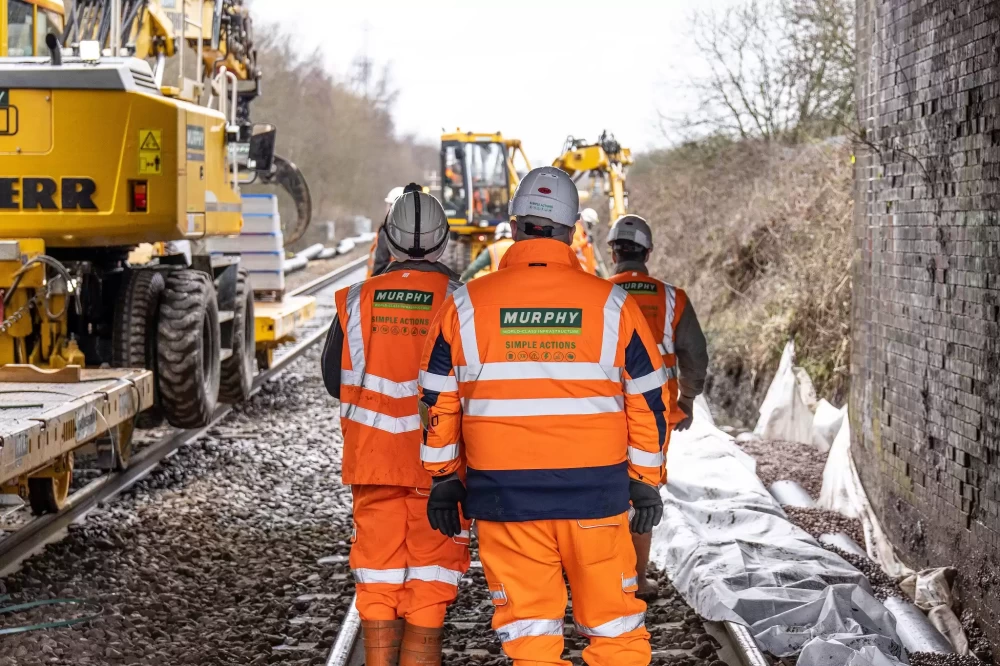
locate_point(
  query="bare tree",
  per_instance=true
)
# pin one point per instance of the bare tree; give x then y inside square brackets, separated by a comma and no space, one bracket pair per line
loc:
[775,69]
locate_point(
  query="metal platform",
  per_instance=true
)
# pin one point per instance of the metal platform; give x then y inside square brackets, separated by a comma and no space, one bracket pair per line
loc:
[45,414]
[275,322]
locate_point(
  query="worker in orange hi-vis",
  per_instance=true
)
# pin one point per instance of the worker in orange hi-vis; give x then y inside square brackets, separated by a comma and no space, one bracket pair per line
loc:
[583,241]
[674,324]
[406,572]
[489,259]
[544,386]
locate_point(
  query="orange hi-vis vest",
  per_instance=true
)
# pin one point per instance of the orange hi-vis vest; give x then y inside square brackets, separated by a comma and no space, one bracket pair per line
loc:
[385,320]
[662,304]
[547,383]
[584,249]
[497,250]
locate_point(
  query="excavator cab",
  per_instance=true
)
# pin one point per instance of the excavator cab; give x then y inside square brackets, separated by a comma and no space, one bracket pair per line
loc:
[25,23]
[479,175]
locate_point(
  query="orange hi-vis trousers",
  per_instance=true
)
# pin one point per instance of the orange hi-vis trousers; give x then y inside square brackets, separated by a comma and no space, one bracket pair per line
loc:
[403,568]
[524,564]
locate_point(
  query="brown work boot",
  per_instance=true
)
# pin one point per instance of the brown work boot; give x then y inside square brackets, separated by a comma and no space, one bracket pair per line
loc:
[421,646]
[382,640]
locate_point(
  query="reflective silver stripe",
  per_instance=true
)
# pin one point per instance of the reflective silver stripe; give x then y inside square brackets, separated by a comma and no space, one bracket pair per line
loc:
[452,286]
[645,458]
[439,383]
[671,372]
[670,297]
[612,320]
[438,454]
[629,582]
[521,628]
[544,406]
[660,348]
[355,339]
[434,574]
[498,595]
[394,576]
[467,325]
[653,380]
[464,534]
[614,628]
[386,387]
[383,422]
[538,370]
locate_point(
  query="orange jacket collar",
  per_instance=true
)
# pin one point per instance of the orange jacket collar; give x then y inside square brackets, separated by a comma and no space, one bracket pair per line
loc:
[542,251]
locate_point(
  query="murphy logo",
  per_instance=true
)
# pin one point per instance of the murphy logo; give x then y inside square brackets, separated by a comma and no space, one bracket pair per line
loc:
[639,287]
[540,321]
[403,299]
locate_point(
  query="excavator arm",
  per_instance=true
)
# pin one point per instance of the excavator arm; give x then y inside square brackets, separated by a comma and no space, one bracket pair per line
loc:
[605,161]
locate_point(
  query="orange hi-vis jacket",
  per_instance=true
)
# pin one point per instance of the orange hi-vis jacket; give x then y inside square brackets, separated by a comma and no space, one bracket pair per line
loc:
[662,304]
[497,250]
[544,382]
[584,249]
[385,320]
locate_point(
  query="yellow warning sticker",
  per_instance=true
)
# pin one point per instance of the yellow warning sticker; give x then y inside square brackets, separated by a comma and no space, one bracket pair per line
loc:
[150,162]
[149,139]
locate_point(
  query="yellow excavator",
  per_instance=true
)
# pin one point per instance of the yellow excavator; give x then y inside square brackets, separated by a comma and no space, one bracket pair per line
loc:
[479,173]
[102,148]
[605,162]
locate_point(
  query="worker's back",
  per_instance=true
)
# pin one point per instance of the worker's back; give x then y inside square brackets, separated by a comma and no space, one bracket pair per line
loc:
[385,321]
[540,363]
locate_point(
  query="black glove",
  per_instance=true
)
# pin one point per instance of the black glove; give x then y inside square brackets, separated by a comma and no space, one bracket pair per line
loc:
[687,406]
[647,504]
[447,492]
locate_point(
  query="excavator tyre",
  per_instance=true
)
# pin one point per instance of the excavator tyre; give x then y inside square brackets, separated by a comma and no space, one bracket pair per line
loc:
[237,369]
[188,349]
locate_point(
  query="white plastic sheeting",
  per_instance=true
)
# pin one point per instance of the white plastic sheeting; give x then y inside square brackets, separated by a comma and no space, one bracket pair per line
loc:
[826,423]
[784,415]
[842,492]
[730,552]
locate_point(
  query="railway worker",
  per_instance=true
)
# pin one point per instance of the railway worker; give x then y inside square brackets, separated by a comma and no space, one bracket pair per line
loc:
[489,259]
[544,386]
[675,326]
[406,572]
[583,240]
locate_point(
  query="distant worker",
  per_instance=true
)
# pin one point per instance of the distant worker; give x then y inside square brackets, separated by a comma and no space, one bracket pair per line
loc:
[379,256]
[543,385]
[674,324]
[406,572]
[583,241]
[489,259]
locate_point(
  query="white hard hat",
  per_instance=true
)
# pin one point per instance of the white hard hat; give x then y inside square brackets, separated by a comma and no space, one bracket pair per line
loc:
[502,231]
[417,227]
[549,193]
[394,194]
[589,216]
[631,228]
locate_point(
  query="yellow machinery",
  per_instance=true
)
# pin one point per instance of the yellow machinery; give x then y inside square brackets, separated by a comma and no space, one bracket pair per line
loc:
[605,162]
[479,173]
[99,153]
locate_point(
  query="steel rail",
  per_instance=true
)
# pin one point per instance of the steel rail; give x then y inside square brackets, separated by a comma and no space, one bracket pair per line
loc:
[23,542]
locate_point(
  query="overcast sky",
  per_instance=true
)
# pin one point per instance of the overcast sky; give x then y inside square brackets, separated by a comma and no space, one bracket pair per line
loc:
[534,70]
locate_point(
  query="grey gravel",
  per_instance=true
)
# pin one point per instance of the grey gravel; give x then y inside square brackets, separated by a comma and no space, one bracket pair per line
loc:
[202,561]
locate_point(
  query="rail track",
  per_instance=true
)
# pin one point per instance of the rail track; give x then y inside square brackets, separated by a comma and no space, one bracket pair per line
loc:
[677,637]
[33,535]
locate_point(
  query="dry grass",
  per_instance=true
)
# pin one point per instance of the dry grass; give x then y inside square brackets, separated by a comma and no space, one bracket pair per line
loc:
[760,236]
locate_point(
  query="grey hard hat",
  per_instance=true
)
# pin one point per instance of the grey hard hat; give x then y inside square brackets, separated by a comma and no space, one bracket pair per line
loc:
[417,227]
[631,228]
